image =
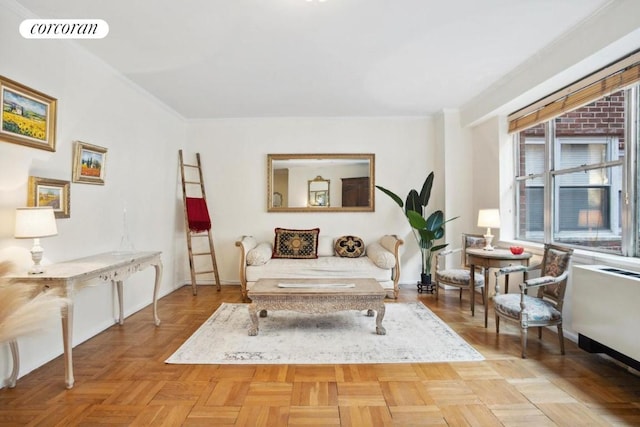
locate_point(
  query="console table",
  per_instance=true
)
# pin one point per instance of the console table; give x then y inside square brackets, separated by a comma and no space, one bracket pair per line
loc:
[70,275]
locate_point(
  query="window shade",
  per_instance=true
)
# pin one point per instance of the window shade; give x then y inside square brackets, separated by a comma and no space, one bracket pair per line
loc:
[618,76]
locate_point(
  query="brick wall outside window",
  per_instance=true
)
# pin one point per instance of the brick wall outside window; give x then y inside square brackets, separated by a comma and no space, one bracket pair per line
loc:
[603,117]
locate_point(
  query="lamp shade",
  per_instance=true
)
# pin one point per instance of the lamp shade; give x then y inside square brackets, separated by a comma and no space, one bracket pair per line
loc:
[489,218]
[590,218]
[35,222]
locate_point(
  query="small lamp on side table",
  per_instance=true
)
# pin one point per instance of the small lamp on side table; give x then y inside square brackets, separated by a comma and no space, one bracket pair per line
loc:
[34,223]
[489,218]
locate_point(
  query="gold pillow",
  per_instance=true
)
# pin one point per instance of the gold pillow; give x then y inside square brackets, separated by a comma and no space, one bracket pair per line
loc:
[349,246]
[296,243]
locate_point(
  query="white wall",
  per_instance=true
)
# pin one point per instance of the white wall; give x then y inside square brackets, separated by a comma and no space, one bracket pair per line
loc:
[458,189]
[234,155]
[97,106]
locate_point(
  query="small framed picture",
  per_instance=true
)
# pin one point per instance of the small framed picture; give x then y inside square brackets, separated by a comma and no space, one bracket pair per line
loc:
[89,163]
[28,116]
[50,192]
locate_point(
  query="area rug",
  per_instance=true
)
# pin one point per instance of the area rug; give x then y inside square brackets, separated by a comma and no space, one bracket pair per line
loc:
[414,335]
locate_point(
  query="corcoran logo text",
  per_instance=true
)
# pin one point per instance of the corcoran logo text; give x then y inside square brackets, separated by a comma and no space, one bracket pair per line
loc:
[64,28]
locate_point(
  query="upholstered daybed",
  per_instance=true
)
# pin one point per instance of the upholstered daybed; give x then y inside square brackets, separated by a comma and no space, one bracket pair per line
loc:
[379,260]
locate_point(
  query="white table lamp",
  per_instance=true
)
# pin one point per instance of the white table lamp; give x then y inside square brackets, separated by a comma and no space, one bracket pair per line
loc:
[590,218]
[34,223]
[489,218]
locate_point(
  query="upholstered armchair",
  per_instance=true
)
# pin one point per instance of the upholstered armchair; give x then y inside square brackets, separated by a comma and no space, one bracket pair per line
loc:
[540,300]
[460,276]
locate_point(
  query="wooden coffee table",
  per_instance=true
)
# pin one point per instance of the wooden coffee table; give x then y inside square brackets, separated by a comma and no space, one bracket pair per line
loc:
[315,296]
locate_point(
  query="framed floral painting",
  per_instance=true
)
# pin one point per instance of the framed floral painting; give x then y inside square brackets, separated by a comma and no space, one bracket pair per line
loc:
[89,163]
[28,116]
[50,192]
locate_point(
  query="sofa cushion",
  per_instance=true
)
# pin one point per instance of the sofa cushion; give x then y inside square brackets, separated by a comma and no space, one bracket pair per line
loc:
[320,268]
[260,254]
[460,276]
[349,246]
[299,244]
[380,256]
[325,246]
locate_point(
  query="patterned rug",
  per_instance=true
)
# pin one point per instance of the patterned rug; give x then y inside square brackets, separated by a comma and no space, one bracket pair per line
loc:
[414,335]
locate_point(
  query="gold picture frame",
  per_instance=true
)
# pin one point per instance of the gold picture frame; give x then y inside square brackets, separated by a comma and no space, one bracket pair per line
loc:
[89,163]
[28,117]
[50,192]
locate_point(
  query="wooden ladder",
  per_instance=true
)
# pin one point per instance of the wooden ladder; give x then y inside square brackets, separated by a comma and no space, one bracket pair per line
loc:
[198,181]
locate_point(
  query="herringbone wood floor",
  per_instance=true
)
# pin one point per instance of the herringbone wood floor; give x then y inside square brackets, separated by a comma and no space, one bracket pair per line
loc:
[121,379]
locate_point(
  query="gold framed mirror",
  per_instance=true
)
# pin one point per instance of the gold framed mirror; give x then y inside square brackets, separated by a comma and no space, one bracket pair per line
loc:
[320,182]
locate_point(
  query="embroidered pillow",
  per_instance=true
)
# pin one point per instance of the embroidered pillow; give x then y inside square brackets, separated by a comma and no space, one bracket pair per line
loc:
[349,246]
[296,243]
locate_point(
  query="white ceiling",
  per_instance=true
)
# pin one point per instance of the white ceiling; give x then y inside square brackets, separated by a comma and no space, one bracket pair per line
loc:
[271,58]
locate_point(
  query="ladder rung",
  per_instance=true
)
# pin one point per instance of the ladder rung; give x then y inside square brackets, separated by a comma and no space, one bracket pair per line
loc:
[190,166]
[201,253]
[201,233]
[204,272]
[192,182]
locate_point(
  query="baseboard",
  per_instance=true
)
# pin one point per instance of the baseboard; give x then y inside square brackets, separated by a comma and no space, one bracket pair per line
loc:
[210,282]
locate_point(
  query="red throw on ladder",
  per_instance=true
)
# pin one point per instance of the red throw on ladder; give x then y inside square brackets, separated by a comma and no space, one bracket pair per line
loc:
[198,214]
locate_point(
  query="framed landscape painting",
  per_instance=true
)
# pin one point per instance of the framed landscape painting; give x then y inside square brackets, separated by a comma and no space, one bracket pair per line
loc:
[89,163]
[50,192]
[28,116]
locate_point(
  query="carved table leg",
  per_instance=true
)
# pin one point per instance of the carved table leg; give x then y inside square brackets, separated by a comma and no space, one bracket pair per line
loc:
[380,330]
[370,313]
[67,337]
[263,313]
[13,345]
[156,289]
[120,302]
[253,314]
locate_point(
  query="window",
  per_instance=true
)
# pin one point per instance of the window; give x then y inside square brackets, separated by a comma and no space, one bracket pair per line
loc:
[576,168]
[570,176]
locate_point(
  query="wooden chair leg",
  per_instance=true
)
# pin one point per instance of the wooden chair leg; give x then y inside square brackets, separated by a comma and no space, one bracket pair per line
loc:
[497,324]
[523,334]
[561,338]
[540,332]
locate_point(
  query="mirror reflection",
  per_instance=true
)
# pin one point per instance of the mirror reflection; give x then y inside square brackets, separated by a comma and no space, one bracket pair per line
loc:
[318,192]
[320,182]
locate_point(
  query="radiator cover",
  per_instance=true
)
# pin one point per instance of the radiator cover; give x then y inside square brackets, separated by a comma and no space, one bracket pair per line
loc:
[606,311]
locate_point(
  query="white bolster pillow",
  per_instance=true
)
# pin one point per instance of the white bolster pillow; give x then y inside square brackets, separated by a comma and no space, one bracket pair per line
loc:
[380,256]
[260,254]
[248,243]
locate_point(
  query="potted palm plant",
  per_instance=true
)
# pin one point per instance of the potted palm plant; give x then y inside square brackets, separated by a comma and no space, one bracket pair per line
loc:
[426,228]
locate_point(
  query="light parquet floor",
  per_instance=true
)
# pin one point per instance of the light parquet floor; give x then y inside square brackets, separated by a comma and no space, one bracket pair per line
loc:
[122,380]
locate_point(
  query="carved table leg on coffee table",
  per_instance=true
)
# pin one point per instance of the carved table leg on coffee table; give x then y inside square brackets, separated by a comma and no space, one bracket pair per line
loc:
[253,314]
[380,330]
